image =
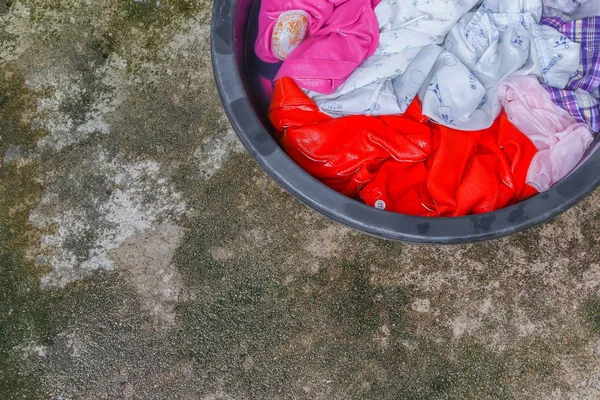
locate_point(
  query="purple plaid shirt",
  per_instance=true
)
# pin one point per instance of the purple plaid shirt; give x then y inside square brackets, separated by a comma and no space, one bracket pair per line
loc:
[578,98]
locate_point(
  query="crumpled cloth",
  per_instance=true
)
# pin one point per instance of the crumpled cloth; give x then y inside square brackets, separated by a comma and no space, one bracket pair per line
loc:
[468,173]
[457,83]
[560,139]
[404,163]
[566,6]
[320,41]
[501,39]
[580,97]
[409,39]
[582,105]
[572,9]
[343,153]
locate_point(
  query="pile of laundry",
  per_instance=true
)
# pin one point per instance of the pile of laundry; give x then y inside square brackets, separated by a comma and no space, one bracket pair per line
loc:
[434,107]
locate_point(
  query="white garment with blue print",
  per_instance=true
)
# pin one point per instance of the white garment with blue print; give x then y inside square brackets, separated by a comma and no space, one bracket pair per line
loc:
[502,38]
[387,82]
[570,10]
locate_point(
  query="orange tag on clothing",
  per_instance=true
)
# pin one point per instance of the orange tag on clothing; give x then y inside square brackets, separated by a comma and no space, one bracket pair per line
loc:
[290,30]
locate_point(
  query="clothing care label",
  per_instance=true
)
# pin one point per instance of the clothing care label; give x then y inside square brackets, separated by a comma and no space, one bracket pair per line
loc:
[290,30]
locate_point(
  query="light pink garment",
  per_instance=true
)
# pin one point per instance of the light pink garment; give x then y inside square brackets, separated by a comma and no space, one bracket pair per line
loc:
[560,139]
[339,36]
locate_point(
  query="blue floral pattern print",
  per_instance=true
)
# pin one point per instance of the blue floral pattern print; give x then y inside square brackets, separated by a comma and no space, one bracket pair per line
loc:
[472,82]
[520,42]
[502,38]
[411,35]
[453,59]
[443,110]
[562,41]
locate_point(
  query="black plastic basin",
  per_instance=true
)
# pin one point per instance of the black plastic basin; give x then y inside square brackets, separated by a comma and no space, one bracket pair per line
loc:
[233,31]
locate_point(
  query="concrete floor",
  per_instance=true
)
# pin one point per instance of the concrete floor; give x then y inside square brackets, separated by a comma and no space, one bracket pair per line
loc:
[144,255]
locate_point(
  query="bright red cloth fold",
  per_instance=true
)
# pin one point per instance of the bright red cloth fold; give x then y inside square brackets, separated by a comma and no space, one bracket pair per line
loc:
[404,163]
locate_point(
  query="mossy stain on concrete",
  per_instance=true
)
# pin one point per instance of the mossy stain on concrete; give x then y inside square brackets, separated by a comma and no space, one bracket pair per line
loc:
[23,307]
[148,12]
[591,310]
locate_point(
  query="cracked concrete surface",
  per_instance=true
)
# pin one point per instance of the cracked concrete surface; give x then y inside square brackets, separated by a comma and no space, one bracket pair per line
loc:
[144,255]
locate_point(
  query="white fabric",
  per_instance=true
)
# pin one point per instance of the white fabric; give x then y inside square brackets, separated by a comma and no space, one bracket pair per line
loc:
[386,83]
[589,8]
[566,6]
[570,10]
[457,83]
[501,39]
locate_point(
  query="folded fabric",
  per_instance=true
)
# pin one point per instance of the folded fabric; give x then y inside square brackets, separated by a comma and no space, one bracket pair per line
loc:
[580,104]
[387,82]
[586,32]
[587,8]
[404,163]
[319,41]
[343,153]
[501,39]
[565,6]
[399,187]
[457,85]
[560,139]
[468,173]
[571,9]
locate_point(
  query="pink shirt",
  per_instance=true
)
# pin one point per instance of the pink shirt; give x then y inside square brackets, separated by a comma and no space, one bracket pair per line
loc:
[321,42]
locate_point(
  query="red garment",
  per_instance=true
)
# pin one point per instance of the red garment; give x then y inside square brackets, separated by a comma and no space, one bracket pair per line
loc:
[404,163]
[343,153]
[468,173]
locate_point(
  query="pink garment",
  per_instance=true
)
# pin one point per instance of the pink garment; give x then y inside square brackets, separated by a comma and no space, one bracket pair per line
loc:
[321,41]
[560,139]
